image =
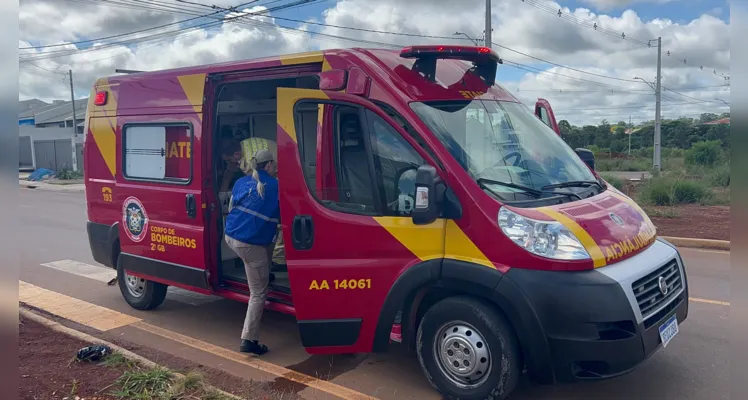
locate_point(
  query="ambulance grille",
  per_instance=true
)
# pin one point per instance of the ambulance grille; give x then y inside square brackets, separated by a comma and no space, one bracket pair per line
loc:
[648,292]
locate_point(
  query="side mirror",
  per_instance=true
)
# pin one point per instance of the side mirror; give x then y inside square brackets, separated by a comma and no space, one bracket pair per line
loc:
[429,195]
[587,156]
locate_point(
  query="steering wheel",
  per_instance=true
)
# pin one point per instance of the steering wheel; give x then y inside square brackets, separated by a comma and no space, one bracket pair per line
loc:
[517,159]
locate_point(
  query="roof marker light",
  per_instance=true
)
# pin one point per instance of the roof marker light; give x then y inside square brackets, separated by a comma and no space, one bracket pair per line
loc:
[101,98]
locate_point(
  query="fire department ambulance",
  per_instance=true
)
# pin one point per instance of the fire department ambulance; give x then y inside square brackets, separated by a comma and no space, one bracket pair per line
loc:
[420,202]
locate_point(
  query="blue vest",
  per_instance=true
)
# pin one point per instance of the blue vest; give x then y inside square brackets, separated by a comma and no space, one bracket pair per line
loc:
[254,219]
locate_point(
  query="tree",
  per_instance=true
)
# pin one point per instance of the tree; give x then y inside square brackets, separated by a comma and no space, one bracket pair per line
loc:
[708,117]
[565,127]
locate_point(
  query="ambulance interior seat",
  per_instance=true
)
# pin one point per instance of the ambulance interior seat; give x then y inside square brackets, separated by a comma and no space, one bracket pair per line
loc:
[356,183]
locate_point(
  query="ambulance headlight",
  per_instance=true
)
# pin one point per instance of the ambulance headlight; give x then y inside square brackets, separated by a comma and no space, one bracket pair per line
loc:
[545,238]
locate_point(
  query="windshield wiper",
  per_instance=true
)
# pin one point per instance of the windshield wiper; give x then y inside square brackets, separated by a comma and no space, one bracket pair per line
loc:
[483,181]
[537,193]
[573,184]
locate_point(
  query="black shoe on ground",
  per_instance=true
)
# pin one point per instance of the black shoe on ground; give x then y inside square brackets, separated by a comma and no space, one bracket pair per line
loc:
[251,346]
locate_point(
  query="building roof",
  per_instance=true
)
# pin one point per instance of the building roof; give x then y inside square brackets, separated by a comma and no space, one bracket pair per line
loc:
[27,107]
[718,122]
[58,112]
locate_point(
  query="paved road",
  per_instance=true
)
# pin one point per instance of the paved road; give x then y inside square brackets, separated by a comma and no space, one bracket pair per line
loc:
[694,366]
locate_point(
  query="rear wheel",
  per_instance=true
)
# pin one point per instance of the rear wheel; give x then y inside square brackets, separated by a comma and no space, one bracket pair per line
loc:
[140,293]
[468,350]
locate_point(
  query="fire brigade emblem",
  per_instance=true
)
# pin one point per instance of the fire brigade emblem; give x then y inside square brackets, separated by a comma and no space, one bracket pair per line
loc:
[134,219]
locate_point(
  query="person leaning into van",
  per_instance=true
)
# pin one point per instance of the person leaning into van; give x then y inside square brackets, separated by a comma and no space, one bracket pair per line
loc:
[251,226]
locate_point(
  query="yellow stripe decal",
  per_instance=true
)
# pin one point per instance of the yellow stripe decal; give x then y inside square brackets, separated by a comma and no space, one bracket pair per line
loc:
[326,64]
[459,247]
[194,87]
[103,134]
[598,258]
[287,98]
[425,241]
[301,58]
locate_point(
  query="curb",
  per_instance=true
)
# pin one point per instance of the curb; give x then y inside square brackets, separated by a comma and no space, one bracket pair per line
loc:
[26,313]
[699,243]
[72,188]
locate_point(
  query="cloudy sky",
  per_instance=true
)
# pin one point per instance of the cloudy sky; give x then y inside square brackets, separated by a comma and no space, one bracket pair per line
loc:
[583,60]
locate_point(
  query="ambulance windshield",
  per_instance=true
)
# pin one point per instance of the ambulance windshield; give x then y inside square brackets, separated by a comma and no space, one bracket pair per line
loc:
[498,141]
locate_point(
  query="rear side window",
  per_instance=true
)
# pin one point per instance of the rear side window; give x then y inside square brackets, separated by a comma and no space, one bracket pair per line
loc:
[157,152]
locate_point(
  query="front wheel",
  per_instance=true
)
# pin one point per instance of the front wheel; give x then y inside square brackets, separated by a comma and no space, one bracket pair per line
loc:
[140,293]
[468,350]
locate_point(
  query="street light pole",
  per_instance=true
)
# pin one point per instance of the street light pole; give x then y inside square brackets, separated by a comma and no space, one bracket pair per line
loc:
[658,92]
[487,35]
[475,42]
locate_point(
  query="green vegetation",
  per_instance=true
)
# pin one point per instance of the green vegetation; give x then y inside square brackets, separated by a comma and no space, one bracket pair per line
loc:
[66,174]
[614,180]
[695,159]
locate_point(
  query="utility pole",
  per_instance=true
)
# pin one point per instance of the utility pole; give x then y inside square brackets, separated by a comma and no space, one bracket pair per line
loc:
[658,92]
[631,131]
[72,102]
[487,35]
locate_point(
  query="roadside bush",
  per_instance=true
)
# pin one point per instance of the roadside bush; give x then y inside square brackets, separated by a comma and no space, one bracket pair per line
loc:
[720,176]
[614,180]
[668,192]
[66,174]
[704,154]
[622,164]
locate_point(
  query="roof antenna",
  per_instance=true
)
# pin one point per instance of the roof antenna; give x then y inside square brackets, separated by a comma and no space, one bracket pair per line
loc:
[127,71]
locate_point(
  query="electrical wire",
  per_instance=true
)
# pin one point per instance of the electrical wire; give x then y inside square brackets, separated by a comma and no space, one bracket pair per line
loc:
[168,34]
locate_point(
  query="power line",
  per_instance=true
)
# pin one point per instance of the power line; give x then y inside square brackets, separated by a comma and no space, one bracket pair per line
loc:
[578,21]
[127,33]
[624,107]
[595,26]
[162,35]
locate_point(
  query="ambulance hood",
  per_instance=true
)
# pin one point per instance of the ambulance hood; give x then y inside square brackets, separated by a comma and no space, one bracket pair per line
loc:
[610,226]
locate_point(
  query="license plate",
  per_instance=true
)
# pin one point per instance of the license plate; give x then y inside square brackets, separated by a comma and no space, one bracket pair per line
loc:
[668,330]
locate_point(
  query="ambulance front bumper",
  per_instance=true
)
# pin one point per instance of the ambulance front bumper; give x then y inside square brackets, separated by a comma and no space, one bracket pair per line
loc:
[601,324]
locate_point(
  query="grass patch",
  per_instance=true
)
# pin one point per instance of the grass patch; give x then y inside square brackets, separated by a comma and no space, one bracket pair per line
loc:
[665,191]
[144,384]
[613,180]
[622,164]
[116,360]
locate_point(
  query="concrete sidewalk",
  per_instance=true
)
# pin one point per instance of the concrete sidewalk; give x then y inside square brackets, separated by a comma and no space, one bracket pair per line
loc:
[56,187]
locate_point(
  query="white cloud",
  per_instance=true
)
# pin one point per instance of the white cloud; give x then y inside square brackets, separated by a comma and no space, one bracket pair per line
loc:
[703,41]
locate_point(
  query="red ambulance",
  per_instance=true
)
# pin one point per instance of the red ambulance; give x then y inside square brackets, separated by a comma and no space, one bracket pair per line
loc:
[420,202]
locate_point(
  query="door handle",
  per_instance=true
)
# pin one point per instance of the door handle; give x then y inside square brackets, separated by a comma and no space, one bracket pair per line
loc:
[302,232]
[190,205]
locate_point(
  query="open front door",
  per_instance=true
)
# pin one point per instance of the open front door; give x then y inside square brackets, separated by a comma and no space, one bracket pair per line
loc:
[346,173]
[544,111]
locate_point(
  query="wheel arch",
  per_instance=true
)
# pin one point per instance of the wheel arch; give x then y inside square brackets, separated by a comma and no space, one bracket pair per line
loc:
[424,284]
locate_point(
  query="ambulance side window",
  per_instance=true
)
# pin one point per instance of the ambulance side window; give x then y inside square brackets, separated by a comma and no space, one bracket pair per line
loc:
[395,165]
[157,152]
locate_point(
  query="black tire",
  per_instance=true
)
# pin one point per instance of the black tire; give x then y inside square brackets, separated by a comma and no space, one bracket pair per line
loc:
[153,293]
[475,322]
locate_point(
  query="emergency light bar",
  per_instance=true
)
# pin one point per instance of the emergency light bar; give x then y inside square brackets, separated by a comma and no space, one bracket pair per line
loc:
[484,59]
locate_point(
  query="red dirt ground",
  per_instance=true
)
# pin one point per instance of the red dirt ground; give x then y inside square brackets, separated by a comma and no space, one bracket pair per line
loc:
[692,221]
[49,372]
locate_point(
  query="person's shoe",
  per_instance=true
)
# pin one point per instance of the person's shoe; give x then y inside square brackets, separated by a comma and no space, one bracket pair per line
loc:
[272,277]
[252,346]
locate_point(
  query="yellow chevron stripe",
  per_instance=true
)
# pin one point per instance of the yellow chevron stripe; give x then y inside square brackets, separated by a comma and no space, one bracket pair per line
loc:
[194,88]
[458,246]
[425,241]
